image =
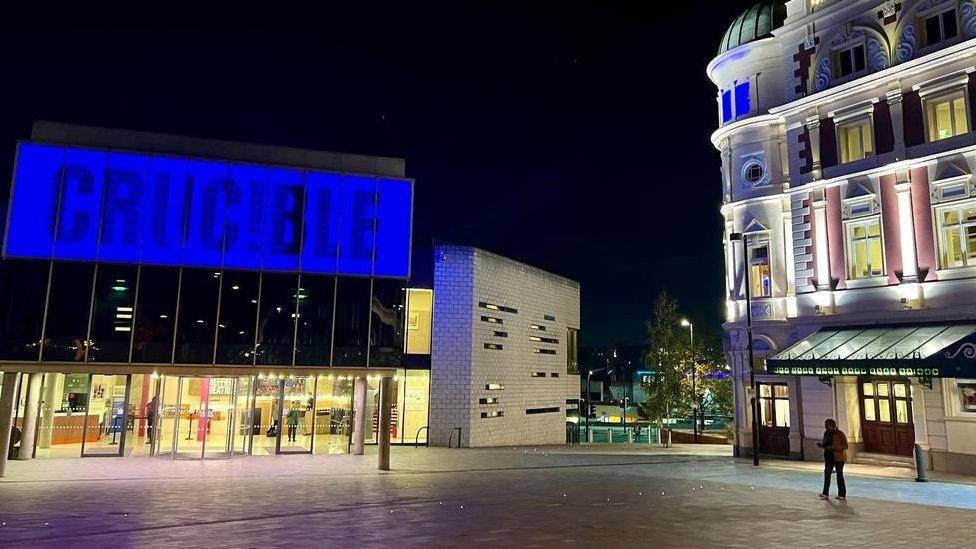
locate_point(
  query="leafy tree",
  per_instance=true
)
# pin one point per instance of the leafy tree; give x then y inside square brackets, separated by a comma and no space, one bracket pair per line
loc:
[665,357]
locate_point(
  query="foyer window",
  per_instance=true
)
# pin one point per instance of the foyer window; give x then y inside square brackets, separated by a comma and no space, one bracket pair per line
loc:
[760,274]
[946,116]
[957,235]
[939,27]
[865,256]
[774,404]
[856,140]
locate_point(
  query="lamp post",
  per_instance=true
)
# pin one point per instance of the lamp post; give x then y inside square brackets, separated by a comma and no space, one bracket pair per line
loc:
[742,237]
[694,375]
[586,415]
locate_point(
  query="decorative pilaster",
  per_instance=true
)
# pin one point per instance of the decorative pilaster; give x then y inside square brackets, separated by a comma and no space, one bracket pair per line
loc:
[897,122]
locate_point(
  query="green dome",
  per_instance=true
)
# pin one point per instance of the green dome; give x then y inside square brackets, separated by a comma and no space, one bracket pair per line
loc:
[754,23]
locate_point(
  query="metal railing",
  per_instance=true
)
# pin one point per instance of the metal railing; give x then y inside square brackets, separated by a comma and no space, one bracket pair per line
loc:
[416,439]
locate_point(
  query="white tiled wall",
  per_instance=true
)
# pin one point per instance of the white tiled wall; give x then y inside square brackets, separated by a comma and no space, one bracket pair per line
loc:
[461,366]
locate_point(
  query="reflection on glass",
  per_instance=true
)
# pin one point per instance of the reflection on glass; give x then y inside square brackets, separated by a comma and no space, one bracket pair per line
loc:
[246,425]
[901,411]
[198,315]
[333,415]
[884,409]
[416,399]
[62,416]
[266,415]
[387,323]
[901,390]
[153,340]
[238,307]
[141,413]
[23,285]
[869,414]
[315,321]
[67,317]
[111,328]
[276,323]
[297,414]
[351,322]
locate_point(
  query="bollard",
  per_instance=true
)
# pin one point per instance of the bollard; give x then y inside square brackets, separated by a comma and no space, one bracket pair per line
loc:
[920,474]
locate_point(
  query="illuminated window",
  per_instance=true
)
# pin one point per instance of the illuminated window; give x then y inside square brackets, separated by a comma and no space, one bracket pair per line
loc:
[760,274]
[946,116]
[865,257]
[572,351]
[726,106]
[496,413]
[420,304]
[957,235]
[966,395]
[742,105]
[938,27]
[850,60]
[774,404]
[855,140]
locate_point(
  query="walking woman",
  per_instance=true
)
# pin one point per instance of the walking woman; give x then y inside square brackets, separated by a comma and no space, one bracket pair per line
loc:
[835,455]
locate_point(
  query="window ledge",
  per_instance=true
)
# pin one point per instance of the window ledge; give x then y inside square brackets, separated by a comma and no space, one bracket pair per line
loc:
[956,273]
[871,282]
[968,418]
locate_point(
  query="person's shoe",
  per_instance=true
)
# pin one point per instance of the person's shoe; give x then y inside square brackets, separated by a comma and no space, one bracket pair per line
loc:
[841,498]
[824,496]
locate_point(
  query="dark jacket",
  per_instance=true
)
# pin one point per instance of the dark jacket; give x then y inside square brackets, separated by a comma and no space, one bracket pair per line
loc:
[835,446]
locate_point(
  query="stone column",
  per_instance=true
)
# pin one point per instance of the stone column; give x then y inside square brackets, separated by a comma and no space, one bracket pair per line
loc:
[30,416]
[50,402]
[359,416]
[7,393]
[383,437]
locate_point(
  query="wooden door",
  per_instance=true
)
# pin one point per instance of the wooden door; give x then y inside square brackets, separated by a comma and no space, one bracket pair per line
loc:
[886,416]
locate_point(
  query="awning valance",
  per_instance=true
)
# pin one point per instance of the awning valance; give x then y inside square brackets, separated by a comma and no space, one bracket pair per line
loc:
[919,350]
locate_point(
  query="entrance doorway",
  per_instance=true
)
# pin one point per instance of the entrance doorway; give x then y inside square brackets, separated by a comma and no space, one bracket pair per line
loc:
[886,416]
[202,417]
[774,419]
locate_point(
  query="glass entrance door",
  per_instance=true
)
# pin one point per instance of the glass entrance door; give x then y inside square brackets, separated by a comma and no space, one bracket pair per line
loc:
[198,417]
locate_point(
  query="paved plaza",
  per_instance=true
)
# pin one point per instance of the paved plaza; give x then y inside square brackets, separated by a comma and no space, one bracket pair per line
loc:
[527,497]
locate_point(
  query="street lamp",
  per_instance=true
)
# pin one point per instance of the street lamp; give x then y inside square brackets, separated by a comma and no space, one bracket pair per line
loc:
[742,237]
[586,414]
[694,375]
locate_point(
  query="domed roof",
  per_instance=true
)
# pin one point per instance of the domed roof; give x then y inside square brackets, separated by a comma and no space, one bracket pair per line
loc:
[754,23]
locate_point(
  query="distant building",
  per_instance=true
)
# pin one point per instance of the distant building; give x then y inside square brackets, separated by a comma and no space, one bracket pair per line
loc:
[848,153]
[504,364]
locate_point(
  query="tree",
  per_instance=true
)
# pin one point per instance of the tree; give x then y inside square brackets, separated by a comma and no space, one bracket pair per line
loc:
[666,358]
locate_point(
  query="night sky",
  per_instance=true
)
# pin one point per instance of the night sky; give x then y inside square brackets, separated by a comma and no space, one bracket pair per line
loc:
[571,137]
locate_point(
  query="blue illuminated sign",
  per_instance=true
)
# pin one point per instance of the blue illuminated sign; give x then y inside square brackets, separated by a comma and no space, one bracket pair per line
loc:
[96,205]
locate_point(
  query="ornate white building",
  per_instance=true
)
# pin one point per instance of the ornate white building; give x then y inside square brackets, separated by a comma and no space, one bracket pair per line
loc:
[845,132]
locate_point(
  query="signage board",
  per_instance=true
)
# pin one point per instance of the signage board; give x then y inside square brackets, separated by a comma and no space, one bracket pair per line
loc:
[73,203]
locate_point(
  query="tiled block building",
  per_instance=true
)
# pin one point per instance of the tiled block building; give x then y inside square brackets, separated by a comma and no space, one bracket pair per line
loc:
[504,358]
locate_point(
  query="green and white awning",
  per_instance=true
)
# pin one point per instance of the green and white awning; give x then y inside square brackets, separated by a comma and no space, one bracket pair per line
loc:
[919,350]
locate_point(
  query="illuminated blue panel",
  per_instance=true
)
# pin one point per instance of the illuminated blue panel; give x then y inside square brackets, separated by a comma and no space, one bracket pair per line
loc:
[726,106]
[321,236]
[208,206]
[393,213]
[76,224]
[33,208]
[90,205]
[120,231]
[357,220]
[282,234]
[246,207]
[742,99]
[165,210]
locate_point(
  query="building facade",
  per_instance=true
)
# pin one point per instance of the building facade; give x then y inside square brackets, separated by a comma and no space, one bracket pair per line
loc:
[848,152]
[189,298]
[504,366]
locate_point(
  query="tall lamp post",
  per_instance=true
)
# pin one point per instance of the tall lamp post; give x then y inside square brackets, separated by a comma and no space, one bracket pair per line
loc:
[743,238]
[586,415]
[694,375]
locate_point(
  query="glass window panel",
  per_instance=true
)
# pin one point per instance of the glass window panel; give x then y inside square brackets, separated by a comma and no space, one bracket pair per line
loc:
[198,316]
[967,396]
[883,389]
[782,413]
[23,286]
[853,347]
[265,415]
[351,322]
[886,340]
[869,412]
[901,411]
[315,320]
[766,412]
[949,24]
[831,343]
[140,429]
[906,347]
[299,404]
[418,325]
[416,401]
[959,116]
[333,415]
[59,428]
[276,326]
[387,323]
[111,330]
[933,31]
[765,390]
[808,343]
[900,390]
[107,415]
[238,307]
[846,62]
[67,317]
[155,315]
[868,388]
[781,391]
[884,409]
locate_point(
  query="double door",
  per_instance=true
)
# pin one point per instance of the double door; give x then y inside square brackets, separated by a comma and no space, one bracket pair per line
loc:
[886,416]
[200,417]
